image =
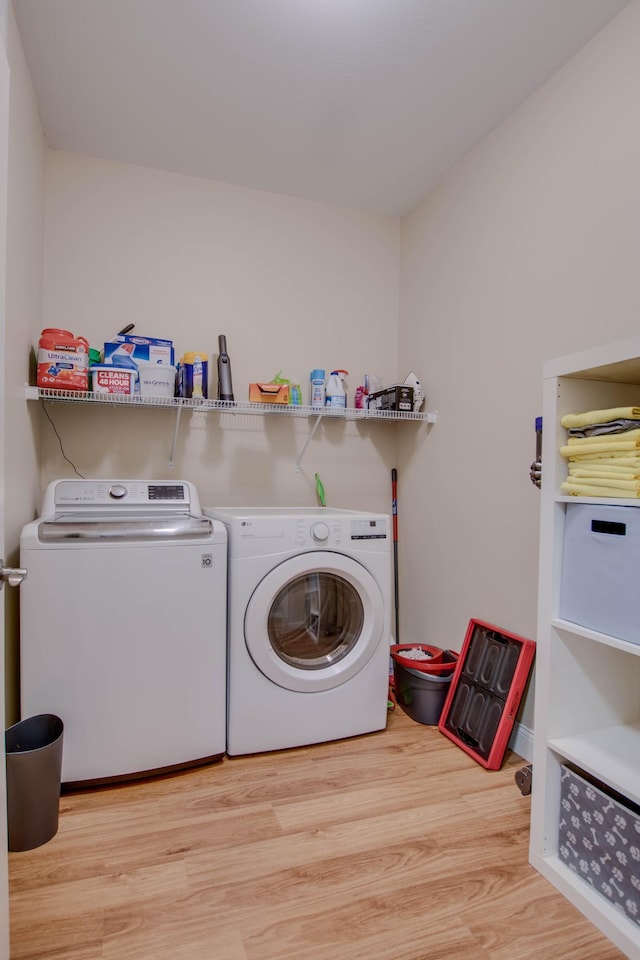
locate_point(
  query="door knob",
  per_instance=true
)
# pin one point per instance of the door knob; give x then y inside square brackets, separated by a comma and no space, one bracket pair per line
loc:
[11,575]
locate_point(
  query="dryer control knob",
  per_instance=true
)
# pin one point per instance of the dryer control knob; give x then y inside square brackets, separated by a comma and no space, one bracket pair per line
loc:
[320,532]
[117,491]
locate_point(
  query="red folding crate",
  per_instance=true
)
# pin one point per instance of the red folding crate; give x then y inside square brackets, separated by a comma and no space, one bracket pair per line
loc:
[485,692]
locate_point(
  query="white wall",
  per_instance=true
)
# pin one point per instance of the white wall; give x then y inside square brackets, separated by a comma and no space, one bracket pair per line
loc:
[4,18]
[25,242]
[528,250]
[4,157]
[22,191]
[292,284]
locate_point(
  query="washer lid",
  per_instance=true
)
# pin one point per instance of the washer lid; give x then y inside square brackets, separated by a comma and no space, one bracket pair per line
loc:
[131,528]
[314,621]
[112,510]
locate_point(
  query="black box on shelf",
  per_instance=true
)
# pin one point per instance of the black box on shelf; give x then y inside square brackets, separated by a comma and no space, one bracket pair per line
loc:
[599,839]
[397,397]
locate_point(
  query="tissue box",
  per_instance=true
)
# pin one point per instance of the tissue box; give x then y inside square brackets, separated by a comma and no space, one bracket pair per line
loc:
[269,393]
[139,349]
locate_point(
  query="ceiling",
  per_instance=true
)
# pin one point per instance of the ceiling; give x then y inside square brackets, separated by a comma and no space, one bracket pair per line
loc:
[363,103]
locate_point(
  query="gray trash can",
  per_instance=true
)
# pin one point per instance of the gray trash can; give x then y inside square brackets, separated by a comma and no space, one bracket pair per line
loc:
[420,692]
[34,767]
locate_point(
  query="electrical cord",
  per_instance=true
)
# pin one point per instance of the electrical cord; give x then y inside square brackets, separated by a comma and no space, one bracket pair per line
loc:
[48,415]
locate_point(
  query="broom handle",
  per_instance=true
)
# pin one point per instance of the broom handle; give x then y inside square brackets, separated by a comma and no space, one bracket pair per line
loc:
[394,499]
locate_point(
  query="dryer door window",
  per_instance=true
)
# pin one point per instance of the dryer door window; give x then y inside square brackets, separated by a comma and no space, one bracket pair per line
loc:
[315,621]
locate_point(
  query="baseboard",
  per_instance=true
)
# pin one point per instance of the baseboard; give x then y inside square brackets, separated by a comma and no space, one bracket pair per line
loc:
[521,742]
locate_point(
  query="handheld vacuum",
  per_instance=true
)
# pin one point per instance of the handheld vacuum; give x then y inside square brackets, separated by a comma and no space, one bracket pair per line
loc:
[225,388]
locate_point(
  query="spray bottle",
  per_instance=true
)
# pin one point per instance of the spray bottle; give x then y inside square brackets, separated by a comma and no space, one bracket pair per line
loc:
[193,375]
[295,396]
[336,394]
[225,388]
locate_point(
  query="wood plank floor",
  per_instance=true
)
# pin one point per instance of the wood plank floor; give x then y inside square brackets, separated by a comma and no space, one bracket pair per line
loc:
[392,846]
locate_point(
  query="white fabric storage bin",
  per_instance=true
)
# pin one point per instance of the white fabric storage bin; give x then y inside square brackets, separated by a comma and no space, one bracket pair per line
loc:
[601,568]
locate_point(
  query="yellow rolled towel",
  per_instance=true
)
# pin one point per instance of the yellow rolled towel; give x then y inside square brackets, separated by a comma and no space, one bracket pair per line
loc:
[622,462]
[632,485]
[609,473]
[620,446]
[573,421]
[587,490]
[617,456]
[604,438]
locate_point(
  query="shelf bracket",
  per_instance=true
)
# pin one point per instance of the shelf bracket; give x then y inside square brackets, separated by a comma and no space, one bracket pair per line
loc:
[175,437]
[307,442]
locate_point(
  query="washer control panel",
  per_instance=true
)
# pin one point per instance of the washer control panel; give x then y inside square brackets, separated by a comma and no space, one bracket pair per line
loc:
[269,531]
[331,532]
[337,530]
[66,495]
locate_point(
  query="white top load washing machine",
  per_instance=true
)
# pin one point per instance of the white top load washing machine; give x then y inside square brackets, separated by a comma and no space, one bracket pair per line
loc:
[309,625]
[123,626]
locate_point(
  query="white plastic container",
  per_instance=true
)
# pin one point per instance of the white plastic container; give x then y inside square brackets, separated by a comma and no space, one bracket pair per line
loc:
[106,378]
[157,380]
[63,360]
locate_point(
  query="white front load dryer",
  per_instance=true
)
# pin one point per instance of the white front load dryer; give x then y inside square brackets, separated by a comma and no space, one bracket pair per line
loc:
[308,625]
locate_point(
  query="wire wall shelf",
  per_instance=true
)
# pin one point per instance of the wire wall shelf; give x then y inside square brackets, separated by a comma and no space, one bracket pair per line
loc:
[236,408]
[229,408]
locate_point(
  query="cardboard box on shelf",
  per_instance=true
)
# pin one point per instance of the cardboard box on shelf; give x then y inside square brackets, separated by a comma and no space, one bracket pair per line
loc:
[397,397]
[126,350]
[269,393]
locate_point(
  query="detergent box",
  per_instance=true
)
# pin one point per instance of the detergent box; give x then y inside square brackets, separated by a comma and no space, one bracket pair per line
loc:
[125,350]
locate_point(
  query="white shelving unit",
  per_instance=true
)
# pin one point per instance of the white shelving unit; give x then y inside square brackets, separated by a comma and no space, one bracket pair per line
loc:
[587,709]
[231,408]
